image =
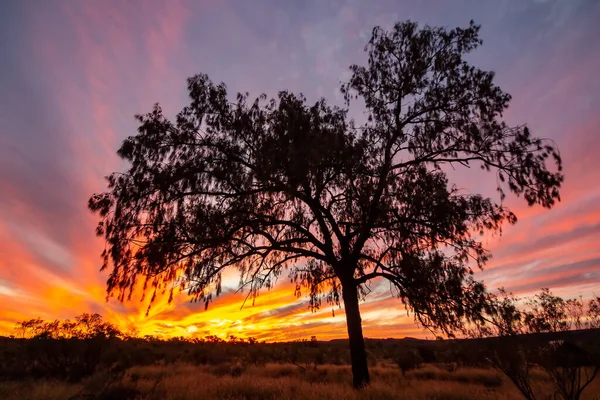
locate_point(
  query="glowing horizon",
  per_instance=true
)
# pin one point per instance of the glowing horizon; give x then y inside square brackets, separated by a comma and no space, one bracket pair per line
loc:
[74,73]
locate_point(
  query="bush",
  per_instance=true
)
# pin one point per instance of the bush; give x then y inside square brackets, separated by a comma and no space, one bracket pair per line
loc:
[407,360]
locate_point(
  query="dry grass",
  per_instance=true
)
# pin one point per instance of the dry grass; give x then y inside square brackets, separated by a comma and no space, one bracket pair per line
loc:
[281,382]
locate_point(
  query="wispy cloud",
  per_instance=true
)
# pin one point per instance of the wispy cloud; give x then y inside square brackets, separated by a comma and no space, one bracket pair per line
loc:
[73,74]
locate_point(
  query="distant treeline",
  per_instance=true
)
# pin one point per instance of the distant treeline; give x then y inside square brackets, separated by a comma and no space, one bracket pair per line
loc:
[545,312]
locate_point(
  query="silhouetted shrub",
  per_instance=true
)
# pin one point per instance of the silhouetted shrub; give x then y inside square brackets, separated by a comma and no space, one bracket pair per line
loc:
[407,360]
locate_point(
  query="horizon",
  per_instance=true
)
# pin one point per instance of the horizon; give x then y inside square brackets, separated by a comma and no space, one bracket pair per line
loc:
[75,73]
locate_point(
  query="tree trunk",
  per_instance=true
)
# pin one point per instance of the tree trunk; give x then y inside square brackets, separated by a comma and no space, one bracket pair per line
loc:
[358,355]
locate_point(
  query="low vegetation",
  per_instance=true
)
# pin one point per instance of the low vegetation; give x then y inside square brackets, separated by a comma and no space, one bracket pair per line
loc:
[281,381]
[535,354]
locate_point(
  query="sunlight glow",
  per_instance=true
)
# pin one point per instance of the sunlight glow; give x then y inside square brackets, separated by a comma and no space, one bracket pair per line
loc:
[76,72]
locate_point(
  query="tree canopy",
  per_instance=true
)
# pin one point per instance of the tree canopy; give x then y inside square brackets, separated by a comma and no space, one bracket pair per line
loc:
[264,185]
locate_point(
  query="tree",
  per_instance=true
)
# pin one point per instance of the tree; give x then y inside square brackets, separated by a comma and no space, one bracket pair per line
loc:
[593,313]
[507,350]
[30,328]
[571,367]
[575,313]
[514,360]
[502,317]
[263,185]
[548,313]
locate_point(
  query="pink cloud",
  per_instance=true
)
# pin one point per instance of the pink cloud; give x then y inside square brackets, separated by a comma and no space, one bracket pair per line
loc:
[104,62]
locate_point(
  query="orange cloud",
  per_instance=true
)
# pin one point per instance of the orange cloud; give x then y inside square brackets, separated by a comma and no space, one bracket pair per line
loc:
[101,63]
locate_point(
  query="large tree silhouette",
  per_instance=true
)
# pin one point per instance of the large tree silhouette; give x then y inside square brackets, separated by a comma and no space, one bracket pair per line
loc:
[266,185]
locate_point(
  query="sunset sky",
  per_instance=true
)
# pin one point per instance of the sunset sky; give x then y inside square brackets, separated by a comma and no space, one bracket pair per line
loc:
[73,74]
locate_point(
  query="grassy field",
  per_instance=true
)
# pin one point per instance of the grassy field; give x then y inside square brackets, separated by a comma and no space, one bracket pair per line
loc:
[280,382]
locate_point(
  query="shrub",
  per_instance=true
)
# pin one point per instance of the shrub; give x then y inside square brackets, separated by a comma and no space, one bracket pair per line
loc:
[407,360]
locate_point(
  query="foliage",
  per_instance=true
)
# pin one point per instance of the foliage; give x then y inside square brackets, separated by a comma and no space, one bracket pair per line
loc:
[548,313]
[407,360]
[85,326]
[63,349]
[593,320]
[574,309]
